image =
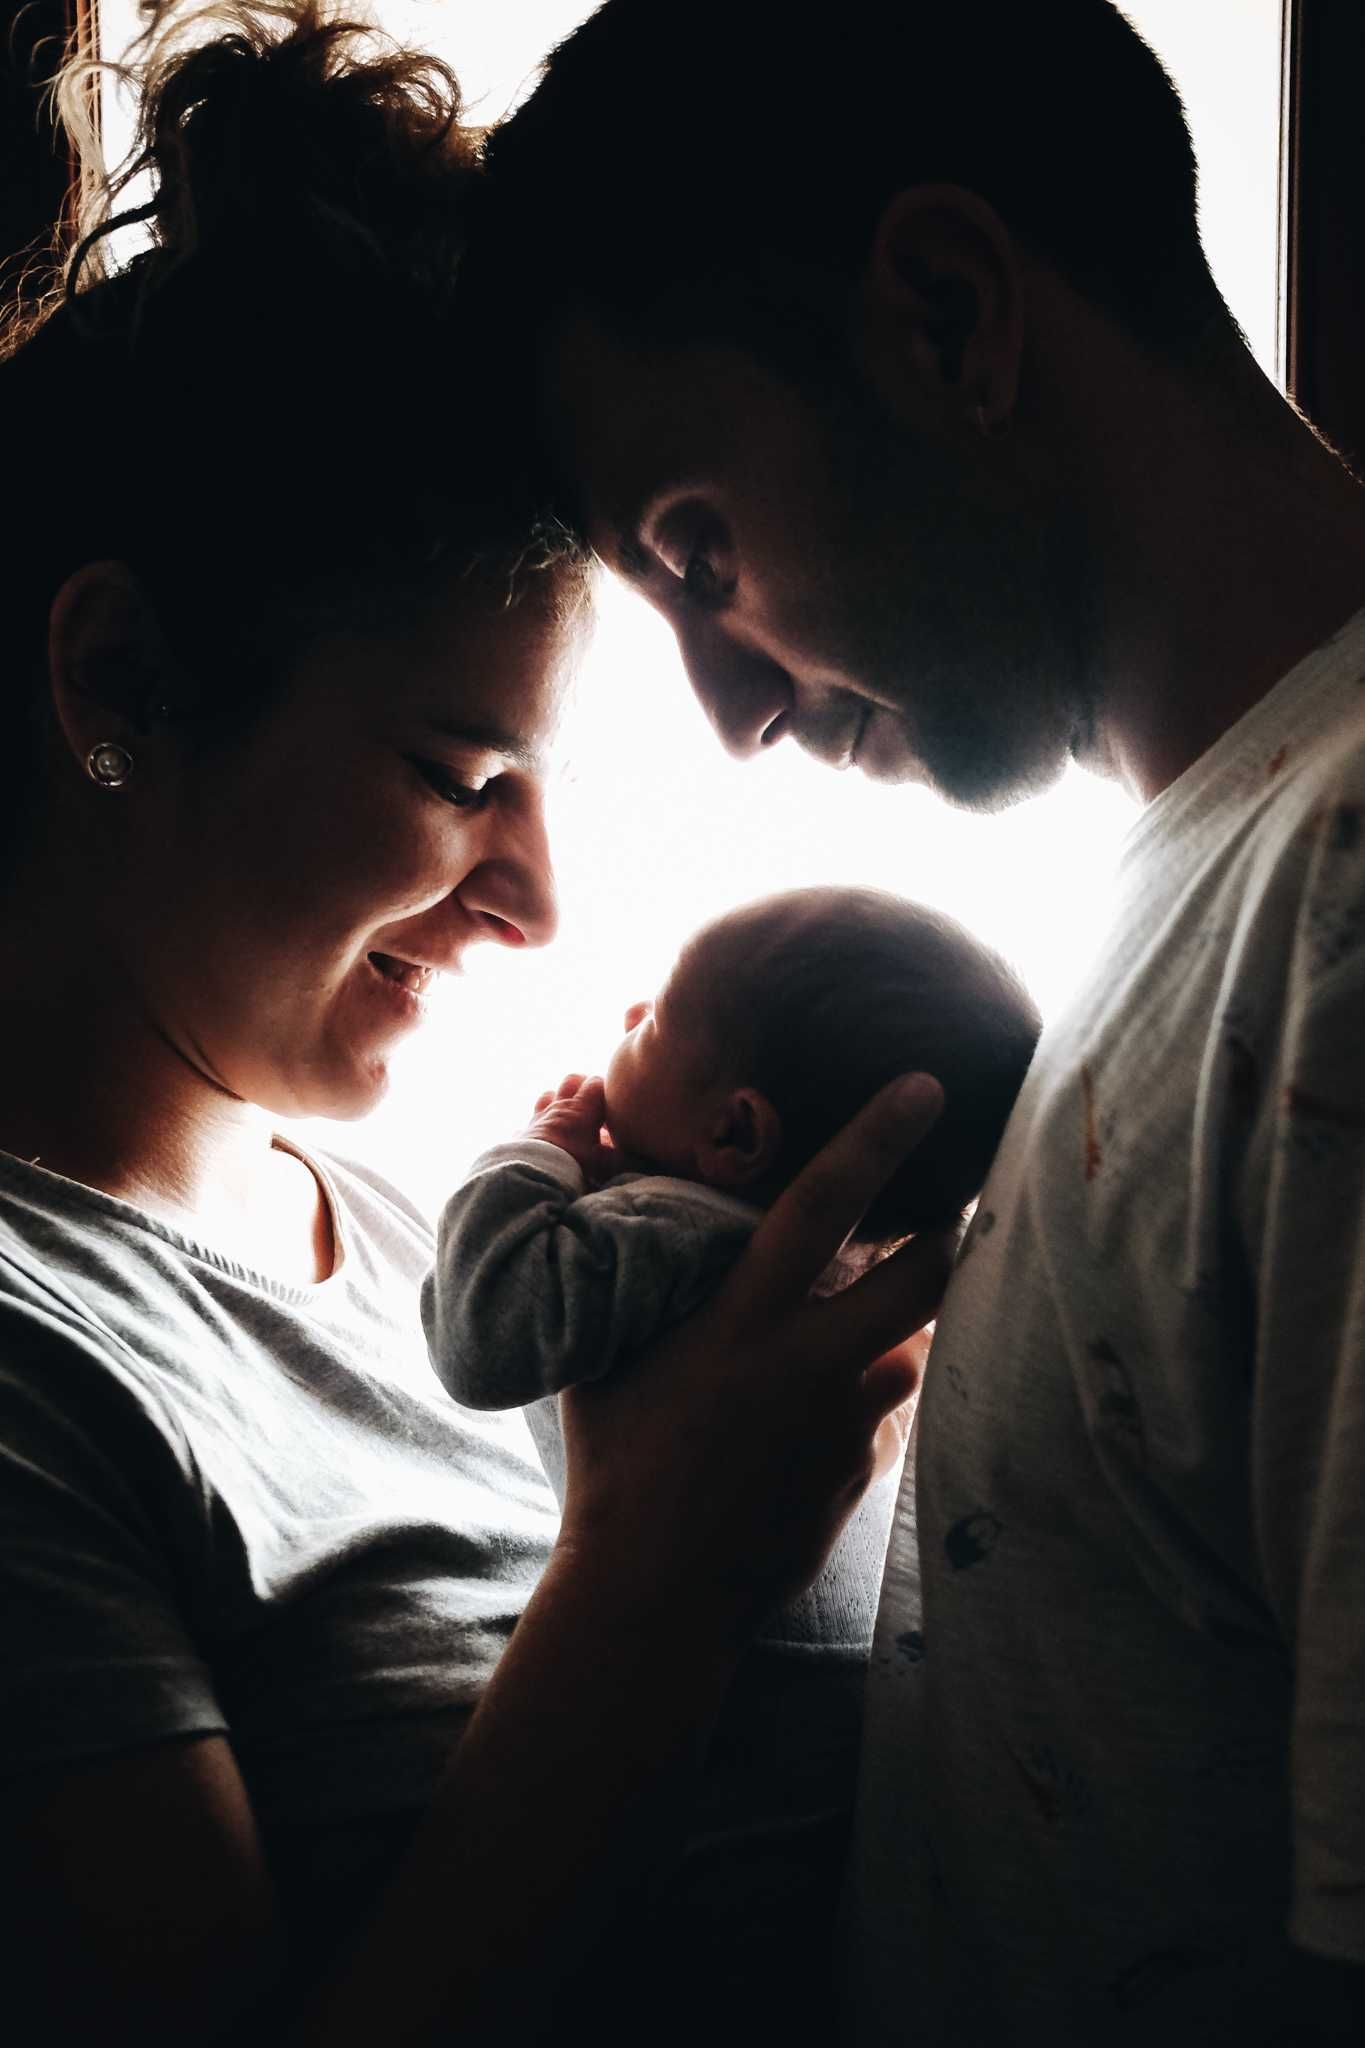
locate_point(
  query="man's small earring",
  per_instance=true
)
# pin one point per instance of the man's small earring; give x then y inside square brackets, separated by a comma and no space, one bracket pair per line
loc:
[109,764]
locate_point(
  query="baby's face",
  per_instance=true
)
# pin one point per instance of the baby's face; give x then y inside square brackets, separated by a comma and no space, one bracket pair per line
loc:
[661,1082]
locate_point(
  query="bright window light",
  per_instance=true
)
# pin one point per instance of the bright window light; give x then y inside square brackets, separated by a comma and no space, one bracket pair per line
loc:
[654,829]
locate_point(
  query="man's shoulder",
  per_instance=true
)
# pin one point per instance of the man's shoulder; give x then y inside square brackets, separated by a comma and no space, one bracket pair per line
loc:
[1312,781]
[1308,842]
[1281,827]
[1317,766]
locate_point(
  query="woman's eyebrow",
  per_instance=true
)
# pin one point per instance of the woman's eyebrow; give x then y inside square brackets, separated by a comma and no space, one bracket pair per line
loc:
[496,739]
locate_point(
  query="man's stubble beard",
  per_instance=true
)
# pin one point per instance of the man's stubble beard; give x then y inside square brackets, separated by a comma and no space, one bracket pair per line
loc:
[974,616]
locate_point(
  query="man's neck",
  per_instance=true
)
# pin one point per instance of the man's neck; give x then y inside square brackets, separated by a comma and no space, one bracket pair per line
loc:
[1235,545]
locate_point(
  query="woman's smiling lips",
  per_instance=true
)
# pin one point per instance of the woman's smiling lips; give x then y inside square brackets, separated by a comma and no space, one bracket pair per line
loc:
[409,974]
[404,982]
[408,982]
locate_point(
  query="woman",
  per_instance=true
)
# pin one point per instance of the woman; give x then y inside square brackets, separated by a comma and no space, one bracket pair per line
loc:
[285,656]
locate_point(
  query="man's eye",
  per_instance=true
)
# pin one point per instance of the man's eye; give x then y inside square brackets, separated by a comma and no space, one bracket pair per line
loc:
[702,580]
[699,552]
[463,796]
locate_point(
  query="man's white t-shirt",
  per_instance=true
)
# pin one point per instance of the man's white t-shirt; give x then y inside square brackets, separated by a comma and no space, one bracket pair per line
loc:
[1115,1746]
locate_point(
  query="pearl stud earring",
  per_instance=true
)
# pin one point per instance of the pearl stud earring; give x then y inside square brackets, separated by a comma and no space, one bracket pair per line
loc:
[109,764]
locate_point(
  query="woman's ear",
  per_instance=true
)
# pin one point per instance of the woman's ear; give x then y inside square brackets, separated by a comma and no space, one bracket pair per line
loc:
[107,660]
[941,310]
[743,1141]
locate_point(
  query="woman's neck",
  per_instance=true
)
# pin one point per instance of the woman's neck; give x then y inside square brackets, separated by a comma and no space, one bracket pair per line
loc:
[92,1090]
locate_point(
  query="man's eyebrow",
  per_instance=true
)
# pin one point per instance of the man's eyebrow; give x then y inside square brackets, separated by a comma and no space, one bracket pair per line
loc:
[633,558]
[495,739]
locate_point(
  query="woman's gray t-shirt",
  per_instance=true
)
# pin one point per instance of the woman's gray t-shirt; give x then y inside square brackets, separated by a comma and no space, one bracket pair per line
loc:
[233,1505]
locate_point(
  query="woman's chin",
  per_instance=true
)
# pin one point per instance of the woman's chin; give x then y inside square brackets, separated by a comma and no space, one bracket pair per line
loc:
[339,1091]
[355,1095]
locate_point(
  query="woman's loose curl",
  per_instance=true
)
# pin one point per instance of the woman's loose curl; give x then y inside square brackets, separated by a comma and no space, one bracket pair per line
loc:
[276,412]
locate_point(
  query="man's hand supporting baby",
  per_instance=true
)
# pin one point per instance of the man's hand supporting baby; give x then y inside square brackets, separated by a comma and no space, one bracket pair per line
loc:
[805,1382]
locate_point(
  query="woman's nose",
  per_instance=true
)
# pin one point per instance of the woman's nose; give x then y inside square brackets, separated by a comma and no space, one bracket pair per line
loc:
[636,1014]
[513,887]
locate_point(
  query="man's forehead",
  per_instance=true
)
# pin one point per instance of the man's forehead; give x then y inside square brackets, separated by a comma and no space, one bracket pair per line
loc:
[627,420]
[600,401]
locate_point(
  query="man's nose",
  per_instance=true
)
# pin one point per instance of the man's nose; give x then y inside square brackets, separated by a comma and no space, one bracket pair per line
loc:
[746,695]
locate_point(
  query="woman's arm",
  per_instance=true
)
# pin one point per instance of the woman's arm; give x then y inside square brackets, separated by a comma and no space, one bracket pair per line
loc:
[146,1875]
[765,1407]
[136,1901]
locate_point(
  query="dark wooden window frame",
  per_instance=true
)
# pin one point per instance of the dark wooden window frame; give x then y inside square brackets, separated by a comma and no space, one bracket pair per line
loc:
[1322,218]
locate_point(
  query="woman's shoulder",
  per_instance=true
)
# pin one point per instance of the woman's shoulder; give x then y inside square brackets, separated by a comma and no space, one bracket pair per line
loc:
[371,1198]
[64,1247]
[77,1398]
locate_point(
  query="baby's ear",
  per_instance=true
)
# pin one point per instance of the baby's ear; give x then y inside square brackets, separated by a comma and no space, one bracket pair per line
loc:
[743,1141]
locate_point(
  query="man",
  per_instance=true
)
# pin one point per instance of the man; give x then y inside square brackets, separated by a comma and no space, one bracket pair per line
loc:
[890,369]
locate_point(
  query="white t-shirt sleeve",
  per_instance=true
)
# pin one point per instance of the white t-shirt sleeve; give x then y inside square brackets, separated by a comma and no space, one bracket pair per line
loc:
[1306,1189]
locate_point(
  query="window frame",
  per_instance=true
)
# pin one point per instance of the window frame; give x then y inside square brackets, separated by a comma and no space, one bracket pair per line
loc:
[1322,236]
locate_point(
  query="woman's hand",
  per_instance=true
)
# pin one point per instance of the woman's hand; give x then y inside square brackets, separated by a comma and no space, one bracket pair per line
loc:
[715,1474]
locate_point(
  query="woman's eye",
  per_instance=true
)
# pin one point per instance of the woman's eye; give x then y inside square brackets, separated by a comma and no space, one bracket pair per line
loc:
[463,796]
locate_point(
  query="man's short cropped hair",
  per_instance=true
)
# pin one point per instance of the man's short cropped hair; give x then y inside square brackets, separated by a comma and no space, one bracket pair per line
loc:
[705,172]
[820,997]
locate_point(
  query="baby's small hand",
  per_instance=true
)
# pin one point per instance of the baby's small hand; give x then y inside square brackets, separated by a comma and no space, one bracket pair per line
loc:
[570,1116]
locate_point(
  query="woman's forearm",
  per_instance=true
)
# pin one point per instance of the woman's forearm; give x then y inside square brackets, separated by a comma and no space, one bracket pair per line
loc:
[565,1791]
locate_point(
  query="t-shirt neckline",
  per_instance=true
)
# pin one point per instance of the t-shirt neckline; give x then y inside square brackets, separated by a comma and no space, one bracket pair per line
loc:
[59,1190]
[1219,770]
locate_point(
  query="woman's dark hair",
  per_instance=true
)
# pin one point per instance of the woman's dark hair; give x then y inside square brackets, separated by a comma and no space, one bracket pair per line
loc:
[820,997]
[735,159]
[273,413]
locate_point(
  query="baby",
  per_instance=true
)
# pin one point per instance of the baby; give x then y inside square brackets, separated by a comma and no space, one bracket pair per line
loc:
[623,1206]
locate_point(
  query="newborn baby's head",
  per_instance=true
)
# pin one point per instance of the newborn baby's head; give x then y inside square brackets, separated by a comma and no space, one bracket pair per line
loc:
[780,1020]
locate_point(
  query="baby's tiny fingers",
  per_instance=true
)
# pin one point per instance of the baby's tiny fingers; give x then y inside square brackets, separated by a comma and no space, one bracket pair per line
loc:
[543,1102]
[570,1085]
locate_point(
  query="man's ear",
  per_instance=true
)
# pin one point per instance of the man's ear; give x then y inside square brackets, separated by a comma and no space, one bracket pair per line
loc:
[107,661]
[743,1141]
[941,313]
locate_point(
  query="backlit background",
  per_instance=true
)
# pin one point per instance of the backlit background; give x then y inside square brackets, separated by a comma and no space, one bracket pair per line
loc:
[654,829]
